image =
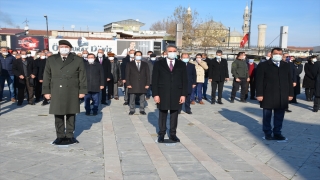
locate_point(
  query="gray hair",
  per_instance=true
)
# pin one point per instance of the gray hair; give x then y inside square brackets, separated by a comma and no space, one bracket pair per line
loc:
[171,46]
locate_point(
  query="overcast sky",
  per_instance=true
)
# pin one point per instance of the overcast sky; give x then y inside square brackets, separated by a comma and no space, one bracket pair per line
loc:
[302,16]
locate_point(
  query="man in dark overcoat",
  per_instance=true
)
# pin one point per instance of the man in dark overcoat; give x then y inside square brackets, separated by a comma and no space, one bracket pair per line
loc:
[274,87]
[138,81]
[64,82]
[316,75]
[170,88]
[105,63]
[125,61]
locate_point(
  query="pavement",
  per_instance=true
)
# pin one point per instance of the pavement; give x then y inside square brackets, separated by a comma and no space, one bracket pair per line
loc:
[217,142]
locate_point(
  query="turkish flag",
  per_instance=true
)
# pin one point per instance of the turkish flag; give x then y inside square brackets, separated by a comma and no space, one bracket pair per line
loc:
[244,40]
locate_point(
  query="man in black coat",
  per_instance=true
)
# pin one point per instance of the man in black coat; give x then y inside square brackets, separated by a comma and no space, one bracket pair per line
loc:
[127,59]
[114,76]
[286,58]
[316,75]
[138,81]
[252,75]
[218,74]
[41,64]
[274,91]
[192,81]
[95,82]
[25,70]
[170,88]
[298,67]
[103,60]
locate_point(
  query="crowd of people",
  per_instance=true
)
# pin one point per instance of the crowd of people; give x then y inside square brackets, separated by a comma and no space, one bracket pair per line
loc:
[172,80]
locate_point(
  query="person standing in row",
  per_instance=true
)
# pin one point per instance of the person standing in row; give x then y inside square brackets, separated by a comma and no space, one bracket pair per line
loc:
[252,72]
[138,81]
[241,78]
[286,58]
[206,76]
[64,82]
[218,74]
[200,66]
[105,63]
[41,63]
[274,91]
[125,61]
[298,67]
[25,70]
[6,61]
[95,82]
[316,75]
[114,75]
[151,62]
[169,88]
[309,79]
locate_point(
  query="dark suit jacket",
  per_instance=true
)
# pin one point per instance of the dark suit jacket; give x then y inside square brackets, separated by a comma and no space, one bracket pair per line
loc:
[137,79]
[106,68]
[17,69]
[41,64]
[274,84]
[169,86]
[192,76]
[218,71]
[95,76]
[123,66]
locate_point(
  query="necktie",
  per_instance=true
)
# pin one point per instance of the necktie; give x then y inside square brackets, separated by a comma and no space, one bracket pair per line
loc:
[100,60]
[171,66]
[278,64]
[138,66]
[64,59]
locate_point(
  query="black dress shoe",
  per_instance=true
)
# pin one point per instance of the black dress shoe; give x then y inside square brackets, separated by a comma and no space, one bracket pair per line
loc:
[32,103]
[125,103]
[161,139]
[142,113]
[213,102]
[104,103]
[189,112]
[72,140]
[57,141]
[243,101]
[87,114]
[287,110]
[205,98]
[131,113]
[219,102]
[279,137]
[37,100]
[44,103]
[268,137]
[19,104]
[315,110]
[174,138]
[232,100]
[95,113]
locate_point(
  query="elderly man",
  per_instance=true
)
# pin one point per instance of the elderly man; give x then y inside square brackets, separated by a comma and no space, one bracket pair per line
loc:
[114,77]
[274,91]
[169,90]
[85,55]
[64,82]
[6,61]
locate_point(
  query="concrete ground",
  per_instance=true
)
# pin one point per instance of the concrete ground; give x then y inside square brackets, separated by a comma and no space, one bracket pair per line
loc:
[217,142]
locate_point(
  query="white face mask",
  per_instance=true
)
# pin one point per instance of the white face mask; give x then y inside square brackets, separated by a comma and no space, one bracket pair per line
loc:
[14,55]
[138,58]
[28,55]
[5,53]
[111,58]
[314,60]
[43,57]
[172,55]
[267,58]
[91,61]
[153,59]
[131,55]
[164,56]
[64,51]
[100,55]
[198,59]
[218,57]
[84,55]
[277,58]
[23,56]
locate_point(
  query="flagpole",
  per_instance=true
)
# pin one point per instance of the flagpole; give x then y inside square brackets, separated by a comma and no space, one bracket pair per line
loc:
[249,38]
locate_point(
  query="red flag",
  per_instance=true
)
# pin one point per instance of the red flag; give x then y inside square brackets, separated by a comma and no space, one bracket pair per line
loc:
[244,40]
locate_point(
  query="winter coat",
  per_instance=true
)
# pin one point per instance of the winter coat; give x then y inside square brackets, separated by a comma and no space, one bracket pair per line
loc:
[218,71]
[239,69]
[192,76]
[138,80]
[106,68]
[64,81]
[169,86]
[95,76]
[115,71]
[274,84]
[200,69]
[17,69]
[298,70]
[41,64]
[7,63]
[309,79]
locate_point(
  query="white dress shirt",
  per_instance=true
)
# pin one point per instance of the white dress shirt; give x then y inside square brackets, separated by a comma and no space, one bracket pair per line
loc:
[168,62]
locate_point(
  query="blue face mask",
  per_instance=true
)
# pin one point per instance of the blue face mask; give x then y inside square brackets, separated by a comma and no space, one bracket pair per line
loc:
[251,60]
[185,60]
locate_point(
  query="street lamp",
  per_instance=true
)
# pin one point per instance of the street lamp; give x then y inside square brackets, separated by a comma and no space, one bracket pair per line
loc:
[47,25]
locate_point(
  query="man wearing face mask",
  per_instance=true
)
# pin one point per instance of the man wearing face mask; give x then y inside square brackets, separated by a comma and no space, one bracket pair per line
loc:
[252,72]
[114,77]
[85,55]
[163,56]
[286,58]
[169,90]
[95,82]
[14,53]
[239,70]
[150,62]
[123,65]
[64,82]
[266,58]
[41,63]
[316,75]
[218,74]
[25,70]
[274,91]
[200,66]
[29,55]
[101,59]
[138,81]
[309,79]
[298,67]
[6,61]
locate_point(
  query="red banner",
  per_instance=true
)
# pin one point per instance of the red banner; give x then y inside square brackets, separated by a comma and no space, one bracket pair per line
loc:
[244,40]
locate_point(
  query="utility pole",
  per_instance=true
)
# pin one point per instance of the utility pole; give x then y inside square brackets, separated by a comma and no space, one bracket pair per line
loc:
[249,37]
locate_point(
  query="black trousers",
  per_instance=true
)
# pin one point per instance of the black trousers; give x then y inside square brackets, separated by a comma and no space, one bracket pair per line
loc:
[104,94]
[186,104]
[21,90]
[316,103]
[163,122]
[110,85]
[70,125]
[38,90]
[309,93]
[252,84]
[235,88]
[214,85]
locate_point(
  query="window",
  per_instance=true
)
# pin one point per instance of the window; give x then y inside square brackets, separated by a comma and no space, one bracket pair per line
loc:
[3,38]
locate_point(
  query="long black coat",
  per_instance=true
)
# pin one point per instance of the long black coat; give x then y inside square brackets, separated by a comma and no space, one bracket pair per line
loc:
[192,76]
[137,79]
[41,64]
[123,66]
[298,70]
[95,76]
[64,81]
[274,84]
[309,79]
[316,75]
[169,86]
[106,68]
[17,69]
[218,71]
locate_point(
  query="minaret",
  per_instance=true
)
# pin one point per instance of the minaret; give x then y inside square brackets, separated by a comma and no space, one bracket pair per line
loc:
[189,10]
[262,35]
[246,18]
